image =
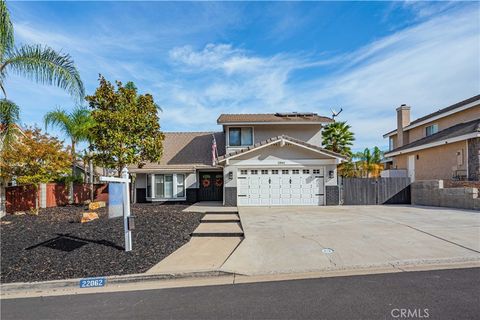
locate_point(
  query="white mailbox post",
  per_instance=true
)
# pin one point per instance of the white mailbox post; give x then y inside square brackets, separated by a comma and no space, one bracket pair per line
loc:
[126,205]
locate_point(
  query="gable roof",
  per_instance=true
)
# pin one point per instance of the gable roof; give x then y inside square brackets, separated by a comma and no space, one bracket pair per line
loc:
[272,117]
[436,114]
[456,131]
[273,140]
[185,151]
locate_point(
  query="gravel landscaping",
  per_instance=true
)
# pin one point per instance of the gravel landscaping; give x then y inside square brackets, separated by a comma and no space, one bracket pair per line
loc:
[53,245]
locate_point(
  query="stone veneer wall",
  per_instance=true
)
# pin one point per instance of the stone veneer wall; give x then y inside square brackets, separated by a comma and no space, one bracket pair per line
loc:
[432,193]
[230,196]
[474,159]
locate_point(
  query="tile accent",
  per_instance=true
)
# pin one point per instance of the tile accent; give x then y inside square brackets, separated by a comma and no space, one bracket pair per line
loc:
[230,196]
[474,159]
[332,194]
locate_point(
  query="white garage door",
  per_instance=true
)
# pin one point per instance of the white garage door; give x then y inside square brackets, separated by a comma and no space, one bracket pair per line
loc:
[270,187]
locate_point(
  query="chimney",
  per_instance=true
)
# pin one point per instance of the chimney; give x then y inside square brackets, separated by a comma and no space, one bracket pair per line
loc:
[403,120]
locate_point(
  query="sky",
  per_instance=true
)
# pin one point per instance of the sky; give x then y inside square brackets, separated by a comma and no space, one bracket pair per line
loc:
[201,59]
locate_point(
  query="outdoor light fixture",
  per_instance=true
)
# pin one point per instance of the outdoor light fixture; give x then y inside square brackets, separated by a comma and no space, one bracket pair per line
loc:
[230,175]
[330,174]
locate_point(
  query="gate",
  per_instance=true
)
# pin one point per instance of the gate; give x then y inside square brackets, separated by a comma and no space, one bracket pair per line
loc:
[371,191]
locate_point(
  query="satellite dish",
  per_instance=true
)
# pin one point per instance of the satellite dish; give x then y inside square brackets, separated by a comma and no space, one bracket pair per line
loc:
[335,114]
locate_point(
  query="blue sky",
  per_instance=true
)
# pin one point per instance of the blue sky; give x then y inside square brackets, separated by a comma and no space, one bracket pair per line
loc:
[200,59]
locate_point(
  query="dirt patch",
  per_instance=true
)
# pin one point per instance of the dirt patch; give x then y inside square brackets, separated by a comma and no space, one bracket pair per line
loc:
[53,245]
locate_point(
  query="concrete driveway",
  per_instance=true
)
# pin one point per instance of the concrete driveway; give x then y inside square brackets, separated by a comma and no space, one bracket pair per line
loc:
[291,239]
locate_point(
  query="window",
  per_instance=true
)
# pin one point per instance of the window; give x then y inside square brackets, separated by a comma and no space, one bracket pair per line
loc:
[166,186]
[431,130]
[149,185]
[390,144]
[243,171]
[316,171]
[274,171]
[264,171]
[238,137]
[284,171]
[253,171]
[306,171]
[180,185]
[295,171]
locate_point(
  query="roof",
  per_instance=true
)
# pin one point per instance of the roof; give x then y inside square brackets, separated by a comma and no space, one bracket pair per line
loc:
[458,130]
[449,108]
[438,113]
[293,117]
[185,151]
[279,138]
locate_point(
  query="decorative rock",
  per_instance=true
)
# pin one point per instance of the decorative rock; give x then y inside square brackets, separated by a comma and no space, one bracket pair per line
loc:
[87,202]
[97,204]
[88,216]
[19,213]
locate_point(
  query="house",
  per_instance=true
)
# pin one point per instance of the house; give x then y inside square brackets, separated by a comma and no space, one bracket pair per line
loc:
[263,160]
[442,145]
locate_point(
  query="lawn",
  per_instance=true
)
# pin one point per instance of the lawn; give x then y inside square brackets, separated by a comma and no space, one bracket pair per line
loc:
[53,245]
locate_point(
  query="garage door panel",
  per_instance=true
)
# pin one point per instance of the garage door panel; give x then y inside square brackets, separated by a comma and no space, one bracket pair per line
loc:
[281,186]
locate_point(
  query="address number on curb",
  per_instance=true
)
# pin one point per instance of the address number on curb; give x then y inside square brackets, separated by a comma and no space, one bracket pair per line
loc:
[93,282]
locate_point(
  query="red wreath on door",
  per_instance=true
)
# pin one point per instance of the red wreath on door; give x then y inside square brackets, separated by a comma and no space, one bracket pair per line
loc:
[219,181]
[206,183]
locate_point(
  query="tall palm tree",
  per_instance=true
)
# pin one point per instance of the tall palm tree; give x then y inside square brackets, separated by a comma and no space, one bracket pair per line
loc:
[75,125]
[337,137]
[36,62]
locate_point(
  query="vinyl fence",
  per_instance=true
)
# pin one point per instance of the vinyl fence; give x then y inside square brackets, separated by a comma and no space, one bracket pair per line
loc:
[371,191]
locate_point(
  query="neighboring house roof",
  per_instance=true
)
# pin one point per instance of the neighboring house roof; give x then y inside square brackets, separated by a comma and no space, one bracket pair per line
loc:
[457,132]
[437,113]
[185,151]
[272,117]
[273,140]
[97,171]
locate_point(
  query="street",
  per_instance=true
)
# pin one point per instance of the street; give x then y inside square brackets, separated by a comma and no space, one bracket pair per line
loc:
[441,294]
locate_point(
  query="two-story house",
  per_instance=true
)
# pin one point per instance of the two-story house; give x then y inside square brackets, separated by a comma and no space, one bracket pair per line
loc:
[442,145]
[261,160]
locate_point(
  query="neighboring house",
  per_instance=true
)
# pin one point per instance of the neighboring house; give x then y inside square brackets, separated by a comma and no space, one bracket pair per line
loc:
[442,145]
[263,160]
[83,169]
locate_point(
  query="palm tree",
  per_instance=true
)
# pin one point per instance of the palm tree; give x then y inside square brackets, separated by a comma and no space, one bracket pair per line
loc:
[9,116]
[370,161]
[75,125]
[36,62]
[337,137]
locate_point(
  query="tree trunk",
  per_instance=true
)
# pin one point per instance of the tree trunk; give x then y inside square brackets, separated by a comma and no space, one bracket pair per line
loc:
[90,164]
[70,191]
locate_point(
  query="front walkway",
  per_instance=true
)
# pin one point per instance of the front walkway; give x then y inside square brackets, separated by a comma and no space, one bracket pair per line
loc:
[299,239]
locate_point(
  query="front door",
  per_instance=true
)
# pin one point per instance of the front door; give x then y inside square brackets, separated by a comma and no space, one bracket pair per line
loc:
[211,186]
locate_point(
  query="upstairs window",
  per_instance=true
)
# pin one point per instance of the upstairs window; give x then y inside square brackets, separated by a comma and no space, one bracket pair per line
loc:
[239,137]
[432,129]
[391,146]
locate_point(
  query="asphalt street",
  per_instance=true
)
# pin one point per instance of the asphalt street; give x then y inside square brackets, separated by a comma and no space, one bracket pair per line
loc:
[441,294]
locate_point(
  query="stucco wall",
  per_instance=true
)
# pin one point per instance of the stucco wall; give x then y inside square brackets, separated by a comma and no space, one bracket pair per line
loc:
[310,133]
[434,163]
[443,123]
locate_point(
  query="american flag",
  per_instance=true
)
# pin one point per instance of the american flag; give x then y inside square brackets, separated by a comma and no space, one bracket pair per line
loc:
[214,150]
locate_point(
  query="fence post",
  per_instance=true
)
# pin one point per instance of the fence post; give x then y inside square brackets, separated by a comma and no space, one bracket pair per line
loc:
[43,195]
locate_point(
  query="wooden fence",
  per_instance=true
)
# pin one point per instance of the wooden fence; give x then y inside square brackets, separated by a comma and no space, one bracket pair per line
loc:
[23,198]
[371,191]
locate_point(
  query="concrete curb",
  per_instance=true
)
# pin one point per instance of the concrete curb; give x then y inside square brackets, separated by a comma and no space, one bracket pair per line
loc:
[111,280]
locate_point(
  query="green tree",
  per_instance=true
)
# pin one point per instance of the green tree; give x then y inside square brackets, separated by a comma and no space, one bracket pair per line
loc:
[127,129]
[36,62]
[370,161]
[34,158]
[337,137]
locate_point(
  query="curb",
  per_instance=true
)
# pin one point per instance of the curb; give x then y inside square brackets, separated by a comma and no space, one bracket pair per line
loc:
[17,287]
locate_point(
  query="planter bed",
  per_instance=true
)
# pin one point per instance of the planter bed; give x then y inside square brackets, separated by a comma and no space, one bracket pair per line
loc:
[53,245]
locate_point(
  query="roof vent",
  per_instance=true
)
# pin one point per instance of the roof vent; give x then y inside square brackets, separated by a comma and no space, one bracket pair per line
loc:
[295,114]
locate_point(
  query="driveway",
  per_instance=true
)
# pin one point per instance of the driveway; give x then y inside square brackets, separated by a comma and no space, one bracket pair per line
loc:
[291,239]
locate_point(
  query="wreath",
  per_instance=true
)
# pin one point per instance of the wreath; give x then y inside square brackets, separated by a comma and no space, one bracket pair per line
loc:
[206,183]
[218,181]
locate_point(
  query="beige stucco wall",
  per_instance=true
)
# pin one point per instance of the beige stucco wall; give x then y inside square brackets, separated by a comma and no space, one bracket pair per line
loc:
[443,123]
[310,133]
[446,122]
[435,163]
